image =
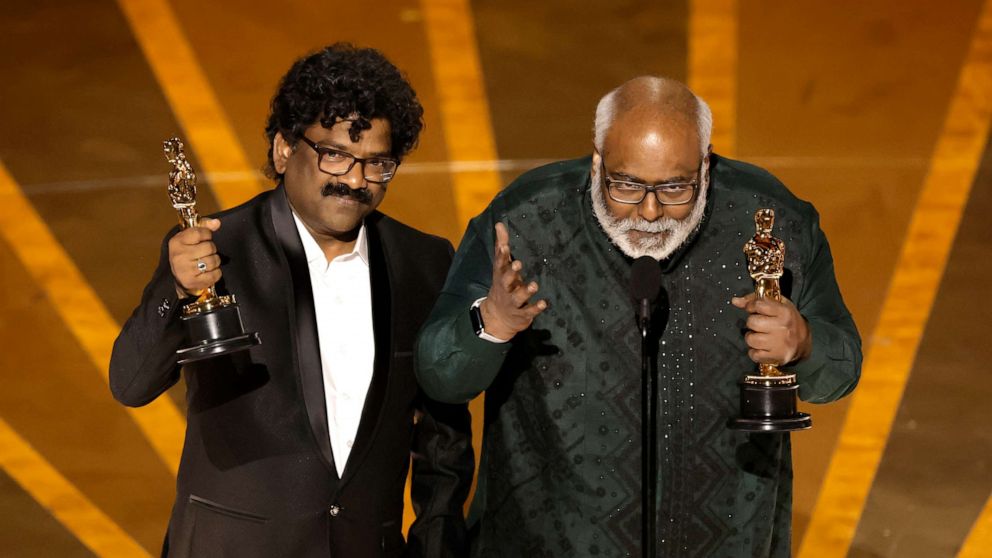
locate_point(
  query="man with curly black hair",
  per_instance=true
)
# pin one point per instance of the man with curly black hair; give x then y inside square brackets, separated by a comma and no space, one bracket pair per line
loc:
[300,446]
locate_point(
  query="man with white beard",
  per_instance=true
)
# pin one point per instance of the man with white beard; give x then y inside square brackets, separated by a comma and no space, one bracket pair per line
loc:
[560,470]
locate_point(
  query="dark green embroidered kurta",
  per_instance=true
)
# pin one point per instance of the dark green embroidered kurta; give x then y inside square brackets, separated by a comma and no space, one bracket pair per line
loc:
[560,472]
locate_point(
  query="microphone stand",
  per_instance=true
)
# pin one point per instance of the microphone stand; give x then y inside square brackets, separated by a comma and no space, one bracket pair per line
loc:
[649,439]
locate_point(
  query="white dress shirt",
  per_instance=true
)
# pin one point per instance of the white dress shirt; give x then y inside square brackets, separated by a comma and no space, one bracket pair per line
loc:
[342,298]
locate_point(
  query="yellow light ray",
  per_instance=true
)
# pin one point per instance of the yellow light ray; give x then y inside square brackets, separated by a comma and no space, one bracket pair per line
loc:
[893,345]
[979,541]
[56,494]
[81,309]
[468,130]
[461,92]
[207,129]
[712,66]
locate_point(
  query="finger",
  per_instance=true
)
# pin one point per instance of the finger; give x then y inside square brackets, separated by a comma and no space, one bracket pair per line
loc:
[501,267]
[202,250]
[195,284]
[532,310]
[764,307]
[194,235]
[502,244]
[501,261]
[209,223]
[502,235]
[522,294]
[760,323]
[510,280]
[210,263]
[742,301]
[759,341]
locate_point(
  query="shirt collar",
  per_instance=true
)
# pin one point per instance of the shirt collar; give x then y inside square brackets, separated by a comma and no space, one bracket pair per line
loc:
[314,253]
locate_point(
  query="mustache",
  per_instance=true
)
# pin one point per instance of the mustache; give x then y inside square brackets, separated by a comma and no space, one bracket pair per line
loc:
[663,225]
[340,190]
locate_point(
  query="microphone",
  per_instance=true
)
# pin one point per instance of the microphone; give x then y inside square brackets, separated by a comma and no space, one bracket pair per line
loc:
[645,284]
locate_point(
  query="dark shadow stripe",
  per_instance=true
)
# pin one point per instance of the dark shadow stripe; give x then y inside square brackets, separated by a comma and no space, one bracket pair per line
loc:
[27,529]
[936,473]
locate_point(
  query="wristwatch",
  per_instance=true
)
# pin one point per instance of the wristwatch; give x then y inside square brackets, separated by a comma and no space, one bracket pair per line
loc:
[475,312]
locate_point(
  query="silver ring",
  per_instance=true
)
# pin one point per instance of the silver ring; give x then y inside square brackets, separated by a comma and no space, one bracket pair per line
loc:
[202,266]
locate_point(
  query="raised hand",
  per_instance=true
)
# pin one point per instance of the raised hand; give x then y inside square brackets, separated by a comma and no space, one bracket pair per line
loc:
[507,309]
[778,333]
[193,258]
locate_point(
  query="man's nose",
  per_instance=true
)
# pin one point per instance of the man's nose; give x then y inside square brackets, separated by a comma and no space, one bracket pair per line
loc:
[650,209]
[355,177]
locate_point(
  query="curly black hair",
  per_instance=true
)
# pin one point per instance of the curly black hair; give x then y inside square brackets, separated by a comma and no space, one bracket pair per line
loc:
[344,82]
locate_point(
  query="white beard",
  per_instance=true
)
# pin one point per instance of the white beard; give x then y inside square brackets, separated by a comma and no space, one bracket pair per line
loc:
[658,246]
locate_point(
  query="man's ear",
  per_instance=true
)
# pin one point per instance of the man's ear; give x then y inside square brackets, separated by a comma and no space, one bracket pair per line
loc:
[281,152]
[596,160]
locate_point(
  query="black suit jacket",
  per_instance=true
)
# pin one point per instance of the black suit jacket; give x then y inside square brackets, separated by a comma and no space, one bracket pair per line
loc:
[257,476]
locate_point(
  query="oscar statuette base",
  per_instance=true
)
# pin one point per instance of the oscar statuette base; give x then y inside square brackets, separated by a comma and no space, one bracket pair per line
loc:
[215,332]
[769,407]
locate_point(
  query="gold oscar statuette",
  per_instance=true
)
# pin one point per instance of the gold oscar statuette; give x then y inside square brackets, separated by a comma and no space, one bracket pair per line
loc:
[768,398]
[212,322]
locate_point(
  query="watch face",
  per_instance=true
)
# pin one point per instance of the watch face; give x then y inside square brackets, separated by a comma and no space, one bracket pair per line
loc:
[476,313]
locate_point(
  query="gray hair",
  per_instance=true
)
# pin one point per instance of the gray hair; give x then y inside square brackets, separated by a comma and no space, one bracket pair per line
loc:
[606,111]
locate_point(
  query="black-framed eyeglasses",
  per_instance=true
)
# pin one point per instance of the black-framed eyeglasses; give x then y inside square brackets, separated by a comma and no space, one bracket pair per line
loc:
[667,193]
[337,163]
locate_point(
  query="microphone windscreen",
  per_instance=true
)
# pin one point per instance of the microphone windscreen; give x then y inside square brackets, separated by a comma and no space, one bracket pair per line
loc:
[645,279]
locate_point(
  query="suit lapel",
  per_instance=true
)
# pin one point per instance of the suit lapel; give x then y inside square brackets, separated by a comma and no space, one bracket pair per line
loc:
[307,343]
[381,325]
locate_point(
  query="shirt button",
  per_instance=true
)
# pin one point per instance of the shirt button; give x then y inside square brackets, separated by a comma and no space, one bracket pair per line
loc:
[351,443]
[335,510]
